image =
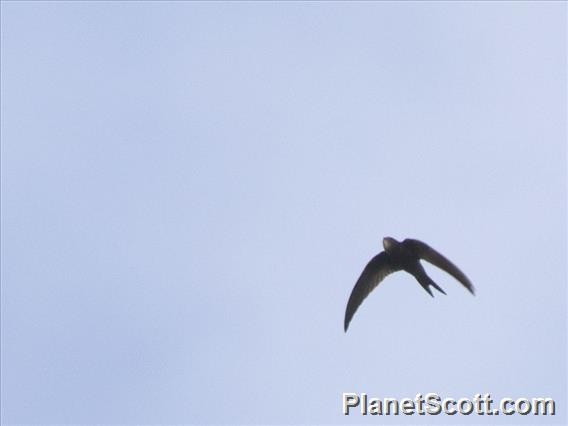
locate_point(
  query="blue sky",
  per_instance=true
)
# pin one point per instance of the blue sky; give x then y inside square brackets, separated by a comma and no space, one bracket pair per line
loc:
[190,190]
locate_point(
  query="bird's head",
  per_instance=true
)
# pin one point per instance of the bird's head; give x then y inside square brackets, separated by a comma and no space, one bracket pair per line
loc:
[389,243]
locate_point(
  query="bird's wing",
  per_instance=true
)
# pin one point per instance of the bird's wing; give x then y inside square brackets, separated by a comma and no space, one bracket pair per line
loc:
[424,251]
[375,271]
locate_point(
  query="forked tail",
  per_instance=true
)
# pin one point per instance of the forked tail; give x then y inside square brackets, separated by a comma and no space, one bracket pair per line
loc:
[426,282]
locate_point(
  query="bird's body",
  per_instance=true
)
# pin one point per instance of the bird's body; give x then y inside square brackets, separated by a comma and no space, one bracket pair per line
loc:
[401,256]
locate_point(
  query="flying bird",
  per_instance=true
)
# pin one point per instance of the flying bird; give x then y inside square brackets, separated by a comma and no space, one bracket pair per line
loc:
[401,256]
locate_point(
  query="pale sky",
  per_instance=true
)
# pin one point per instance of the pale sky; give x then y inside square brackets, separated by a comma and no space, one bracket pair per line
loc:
[190,191]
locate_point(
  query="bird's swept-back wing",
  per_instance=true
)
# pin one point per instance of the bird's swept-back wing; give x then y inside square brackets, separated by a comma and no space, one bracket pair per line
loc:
[375,271]
[424,251]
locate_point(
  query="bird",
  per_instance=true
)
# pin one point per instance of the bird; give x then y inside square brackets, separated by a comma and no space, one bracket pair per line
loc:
[401,256]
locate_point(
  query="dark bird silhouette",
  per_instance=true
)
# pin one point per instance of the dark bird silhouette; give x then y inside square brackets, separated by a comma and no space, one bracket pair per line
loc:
[401,256]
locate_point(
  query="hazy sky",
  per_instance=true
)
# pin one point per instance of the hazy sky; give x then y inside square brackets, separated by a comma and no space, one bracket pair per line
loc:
[190,191]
